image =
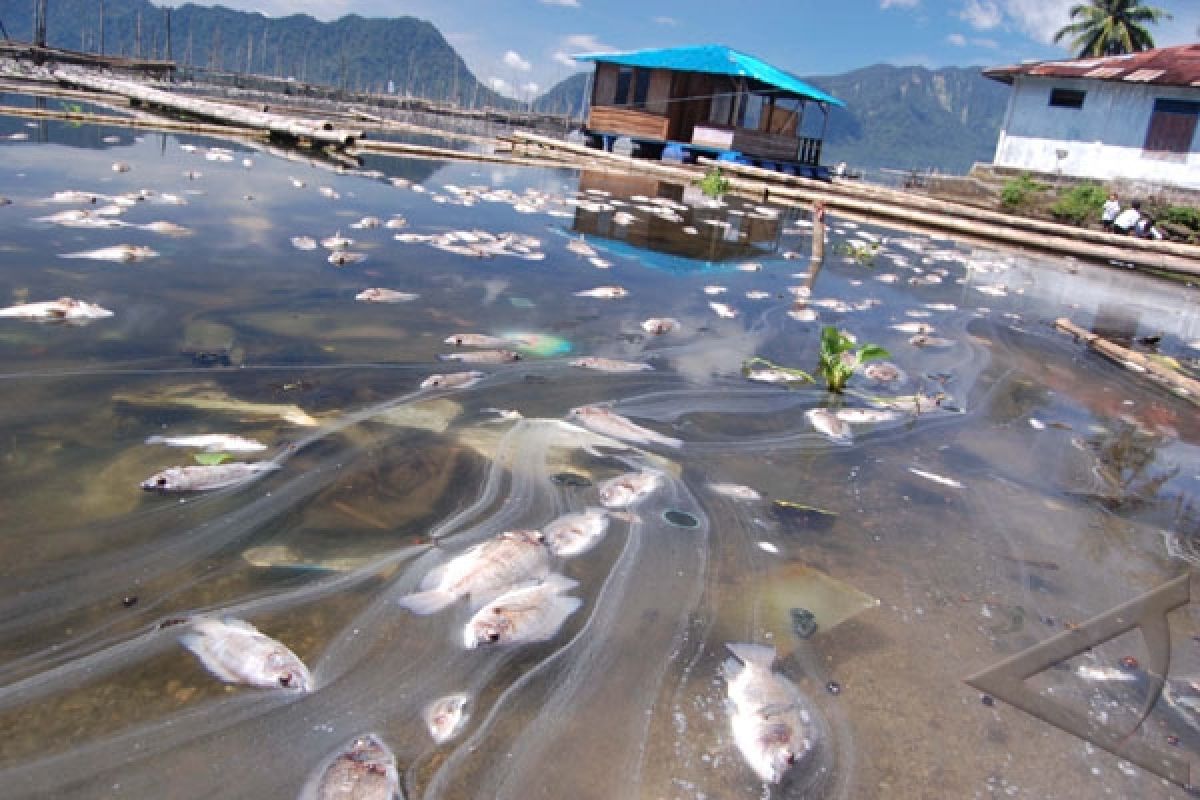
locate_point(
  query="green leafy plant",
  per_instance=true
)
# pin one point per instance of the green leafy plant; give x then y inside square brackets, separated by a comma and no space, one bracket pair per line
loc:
[862,252]
[1017,191]
[210,459]
[714,184]
[1182,215]
[839,357]
[1080,205]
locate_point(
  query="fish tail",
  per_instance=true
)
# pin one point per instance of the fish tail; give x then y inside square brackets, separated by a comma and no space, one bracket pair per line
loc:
[429,602]
[758,655]
[668,441]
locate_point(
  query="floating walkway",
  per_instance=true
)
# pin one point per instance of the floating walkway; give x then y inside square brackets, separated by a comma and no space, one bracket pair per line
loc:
[296,129]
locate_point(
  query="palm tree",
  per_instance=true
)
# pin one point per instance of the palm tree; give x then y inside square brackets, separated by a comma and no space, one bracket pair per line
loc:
[1110,27]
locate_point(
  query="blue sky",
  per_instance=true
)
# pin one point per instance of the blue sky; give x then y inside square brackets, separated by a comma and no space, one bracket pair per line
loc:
[520,46]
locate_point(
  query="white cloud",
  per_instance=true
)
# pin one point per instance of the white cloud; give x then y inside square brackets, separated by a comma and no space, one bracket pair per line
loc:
[513,60]
[990,44]
[668,21]
[563,3]
[981,14]
[1039,19]
[500,85]
[899,3]
[585,43]
[957,39]
[565,59]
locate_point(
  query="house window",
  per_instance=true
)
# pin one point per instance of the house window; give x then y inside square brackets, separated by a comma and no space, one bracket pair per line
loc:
[1067,98]
[641,86]
[1172,127]
[635,82]
[624,78]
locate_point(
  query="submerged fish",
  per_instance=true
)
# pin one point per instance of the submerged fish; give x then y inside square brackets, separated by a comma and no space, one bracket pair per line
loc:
[660,325]
[524,615]
[482,357]
[604,292]
[723,311]
[119,252]
[482,570]
[610,364]
[211,442]
[453,380]
[304,243]
[574,534]
[205,478]
[625,490]
[828,423]
[768,719]
[605,421]
[377,295]
[445,716]
[365,769]
[64,308]
[476,340]
[236,652]
[735,491]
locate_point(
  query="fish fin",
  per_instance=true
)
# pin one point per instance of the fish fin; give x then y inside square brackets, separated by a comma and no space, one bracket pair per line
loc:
[559,583]
[202,647]
[558,609]
[428,602]
[730,669]
[758,655]
[668,441]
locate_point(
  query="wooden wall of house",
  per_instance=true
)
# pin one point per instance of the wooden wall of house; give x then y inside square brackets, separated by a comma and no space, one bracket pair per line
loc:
[691,93]
[782,120]
[628,121]
[659,92]
[604,86]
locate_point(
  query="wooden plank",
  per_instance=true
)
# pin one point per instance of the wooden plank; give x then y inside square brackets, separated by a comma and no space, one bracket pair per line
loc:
[659,92]
[765,145]
[627,121]
[1136,362]
[604,87]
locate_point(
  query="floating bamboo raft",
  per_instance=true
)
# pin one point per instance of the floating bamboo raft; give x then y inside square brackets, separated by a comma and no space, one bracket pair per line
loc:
[1177,382]
[303,131]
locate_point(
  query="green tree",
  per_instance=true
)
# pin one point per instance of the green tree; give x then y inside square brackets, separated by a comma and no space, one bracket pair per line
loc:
[1110,27]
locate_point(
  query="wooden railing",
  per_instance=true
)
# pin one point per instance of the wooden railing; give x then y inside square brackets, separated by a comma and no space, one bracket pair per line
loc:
[809,152]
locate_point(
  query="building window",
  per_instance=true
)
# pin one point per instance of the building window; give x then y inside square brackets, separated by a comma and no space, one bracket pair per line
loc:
[1067,98]
[631,80]
[624,78]
[1172,127]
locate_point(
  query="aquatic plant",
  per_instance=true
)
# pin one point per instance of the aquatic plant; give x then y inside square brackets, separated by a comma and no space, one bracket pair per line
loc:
[862,252]
[714,184]
[1017,191]
[789,374]
[1081,204]
[839,357]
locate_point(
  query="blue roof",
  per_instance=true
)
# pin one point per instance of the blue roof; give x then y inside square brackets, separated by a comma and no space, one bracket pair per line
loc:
[715,60]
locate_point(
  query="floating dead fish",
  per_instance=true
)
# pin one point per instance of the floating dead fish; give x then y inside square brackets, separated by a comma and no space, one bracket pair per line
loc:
[625,490]
[120,252]
[66,309]
[993,291]
[931,476]
[482,357]
[366,223]
[297,183]
[941,306]
[304,243]
[524,615]
[329,191]
[336,242]
[604,292]
[921,340]
[660,325]
[211,442]
[912,327]
[883,372]
[803,314]
[915,403]
[207,477]
[774,375]
[452,380]
[166,228]
[445,716]
[482,571]
[395,222]
[340,258]
[476,340]
[377,295]
[574,534]
[828,423]
[73,196]
[713,291]
[723,311]
[770,725]
[866,416]
[605,421]
[120,166]
[365,769]
[236,652]
[750,266]
[599,263]
[610,364]
[1105,674]
[581,248]
[735,491]
[756,294]
[887,277]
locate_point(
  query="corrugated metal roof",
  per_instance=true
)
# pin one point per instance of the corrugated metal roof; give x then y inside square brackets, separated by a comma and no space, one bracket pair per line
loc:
[715,60]
[1164,66]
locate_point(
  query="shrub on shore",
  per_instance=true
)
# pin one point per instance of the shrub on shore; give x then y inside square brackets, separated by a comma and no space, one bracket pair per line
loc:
[1080,205]
[1018,191]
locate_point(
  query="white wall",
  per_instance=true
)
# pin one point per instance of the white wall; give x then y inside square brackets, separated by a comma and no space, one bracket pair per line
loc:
[1102,140]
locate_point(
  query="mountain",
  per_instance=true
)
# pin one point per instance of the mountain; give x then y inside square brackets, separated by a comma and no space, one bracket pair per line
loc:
[900,117]
[350,52]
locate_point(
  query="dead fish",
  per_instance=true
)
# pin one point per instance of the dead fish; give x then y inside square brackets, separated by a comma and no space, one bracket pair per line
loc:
[605,421]
[773,375]
[713,291]
[599,263]
[723,311]
[365,769]
[941,306]
[482,357]
[866,416]
[377,295]
[73,196]
[604,292]
[366,223]
[912,327]
[120,252]
[574,534]
[336,242]
[768,720]
[235,651]
[581,248]
[523,615]
[749,266]
[304,243]
[445,716]
[205,478]
[660,325]
[803,314]
[211,442]
[395,222]
[931,476]
[476,340]
[610,364]
[883,372]
[64,308]
[756,294]
[734,491]
[166,228]
[482,570]
[120,166]
[917,403]
[626,490]
[921,340]
[329,191]
[453,380]
[340,258]
[827,422]
[992,291]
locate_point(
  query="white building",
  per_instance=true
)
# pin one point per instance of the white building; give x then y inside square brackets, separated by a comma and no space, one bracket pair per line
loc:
[1130,117]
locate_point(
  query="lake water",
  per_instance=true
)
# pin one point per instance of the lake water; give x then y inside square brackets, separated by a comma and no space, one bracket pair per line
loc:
[1046,488]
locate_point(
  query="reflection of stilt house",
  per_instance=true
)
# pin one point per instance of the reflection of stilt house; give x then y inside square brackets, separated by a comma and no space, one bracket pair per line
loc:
[710,100]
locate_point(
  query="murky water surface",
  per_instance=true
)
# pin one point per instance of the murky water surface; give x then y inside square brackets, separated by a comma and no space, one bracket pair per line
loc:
[1045,488]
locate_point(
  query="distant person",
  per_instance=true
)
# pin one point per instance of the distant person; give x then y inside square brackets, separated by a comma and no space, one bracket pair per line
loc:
[1127,220]
[1146,229]
[1112,207]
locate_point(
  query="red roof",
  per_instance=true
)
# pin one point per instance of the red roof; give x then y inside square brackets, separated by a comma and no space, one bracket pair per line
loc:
[1164,66]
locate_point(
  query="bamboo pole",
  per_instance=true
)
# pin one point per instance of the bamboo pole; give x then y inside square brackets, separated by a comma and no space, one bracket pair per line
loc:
[129,122]
[1180,384]
[426,151]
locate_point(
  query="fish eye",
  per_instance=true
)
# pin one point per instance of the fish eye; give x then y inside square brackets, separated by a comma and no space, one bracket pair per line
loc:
[285,680]
[516,356]
[493,636]
[161,482]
